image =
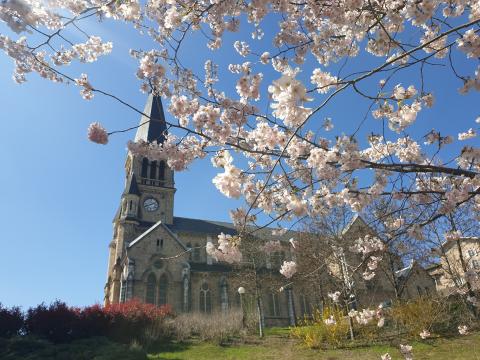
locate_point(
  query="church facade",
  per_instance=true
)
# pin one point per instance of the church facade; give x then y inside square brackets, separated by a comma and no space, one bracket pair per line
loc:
[159,258]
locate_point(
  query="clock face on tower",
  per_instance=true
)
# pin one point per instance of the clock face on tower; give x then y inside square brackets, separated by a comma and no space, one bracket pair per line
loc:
[150,204]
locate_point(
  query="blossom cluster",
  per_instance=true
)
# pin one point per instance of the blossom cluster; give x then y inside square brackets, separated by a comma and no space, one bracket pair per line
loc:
[406,351]
[463,330]
[97,133]
[228,249]
[335,296]
[85,52]
[288,269]
[365,316]
[367,245]
[178,155]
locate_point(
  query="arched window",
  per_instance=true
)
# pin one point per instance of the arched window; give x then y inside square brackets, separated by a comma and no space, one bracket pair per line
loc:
[150,293]
[123,288]
[153,170]
[205,303]
[145,167]
[162,290]
[273,305]
[161,170]
[224,294]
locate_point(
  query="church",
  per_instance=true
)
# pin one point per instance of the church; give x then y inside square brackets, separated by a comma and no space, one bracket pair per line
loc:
[161,259]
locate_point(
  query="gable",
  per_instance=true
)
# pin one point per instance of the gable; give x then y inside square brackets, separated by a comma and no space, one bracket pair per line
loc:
[156,238]
[358,225]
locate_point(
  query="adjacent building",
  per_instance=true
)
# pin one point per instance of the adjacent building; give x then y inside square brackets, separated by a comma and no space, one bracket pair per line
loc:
[454,258]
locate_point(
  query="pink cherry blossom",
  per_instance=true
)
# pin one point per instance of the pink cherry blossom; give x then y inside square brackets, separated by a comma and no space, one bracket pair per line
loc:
[97,133]
[228,249]
[335,296]
[463,330]
[425,334]
[288,269]
[330,320]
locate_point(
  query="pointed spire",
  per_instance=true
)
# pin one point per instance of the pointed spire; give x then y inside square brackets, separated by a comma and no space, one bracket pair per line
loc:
[132,187]
[155,128]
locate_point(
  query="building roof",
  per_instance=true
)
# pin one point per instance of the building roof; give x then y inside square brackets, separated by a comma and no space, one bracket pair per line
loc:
[432,266]
[151,229]
[403,273]
[181,224]
[448,244]
[152,127]
[132,187]
[356,219]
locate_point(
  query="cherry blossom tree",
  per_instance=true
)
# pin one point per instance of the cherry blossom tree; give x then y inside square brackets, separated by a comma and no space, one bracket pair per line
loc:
[271,131]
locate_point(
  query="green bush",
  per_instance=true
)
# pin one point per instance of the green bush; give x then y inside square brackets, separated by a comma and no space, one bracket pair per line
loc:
[316,333]
[416,315]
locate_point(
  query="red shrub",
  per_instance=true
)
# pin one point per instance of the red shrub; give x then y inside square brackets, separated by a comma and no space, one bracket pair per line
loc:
[55,322]
[92,321]
[120,322]
[11,321]
[129,320]
[134,309]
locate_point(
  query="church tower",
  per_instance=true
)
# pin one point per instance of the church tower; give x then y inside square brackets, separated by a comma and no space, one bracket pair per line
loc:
[148,196]
[152,181]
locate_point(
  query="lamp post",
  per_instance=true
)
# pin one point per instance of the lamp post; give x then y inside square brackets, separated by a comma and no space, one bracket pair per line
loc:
[241,291]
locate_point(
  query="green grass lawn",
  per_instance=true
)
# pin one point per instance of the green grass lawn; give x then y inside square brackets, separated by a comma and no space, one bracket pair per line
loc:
[277,345]
[30,348]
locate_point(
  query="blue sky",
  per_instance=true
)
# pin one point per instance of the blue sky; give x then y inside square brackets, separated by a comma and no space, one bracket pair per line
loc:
[59,192]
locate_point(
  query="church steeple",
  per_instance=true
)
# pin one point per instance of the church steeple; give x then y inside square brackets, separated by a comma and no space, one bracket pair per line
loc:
[155,127]
[150,182]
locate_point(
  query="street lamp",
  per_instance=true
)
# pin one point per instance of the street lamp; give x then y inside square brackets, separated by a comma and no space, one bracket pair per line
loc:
[241,291]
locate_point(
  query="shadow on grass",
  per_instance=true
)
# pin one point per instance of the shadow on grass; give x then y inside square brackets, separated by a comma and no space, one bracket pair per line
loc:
[32,348]
[170,347]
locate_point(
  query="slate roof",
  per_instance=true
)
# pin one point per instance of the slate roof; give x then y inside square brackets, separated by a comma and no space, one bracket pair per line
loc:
[181,224]
[132,187]
[153,128]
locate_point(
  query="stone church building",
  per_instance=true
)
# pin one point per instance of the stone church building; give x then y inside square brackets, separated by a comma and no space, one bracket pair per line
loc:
[160,258]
